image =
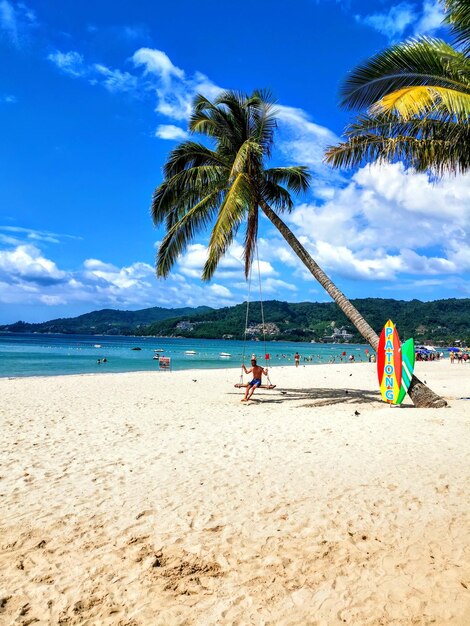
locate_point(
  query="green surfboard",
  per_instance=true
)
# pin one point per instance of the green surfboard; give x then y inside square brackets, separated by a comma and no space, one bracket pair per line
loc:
[407,367]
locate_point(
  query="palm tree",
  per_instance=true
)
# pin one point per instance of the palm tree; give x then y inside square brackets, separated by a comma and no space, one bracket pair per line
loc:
[225,187]
[416,98]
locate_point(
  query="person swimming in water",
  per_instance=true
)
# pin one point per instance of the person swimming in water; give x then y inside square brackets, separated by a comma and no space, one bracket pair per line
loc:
[258,372]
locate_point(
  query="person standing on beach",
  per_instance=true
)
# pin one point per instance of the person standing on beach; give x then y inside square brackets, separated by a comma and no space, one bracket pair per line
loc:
[258,372]
[297,359]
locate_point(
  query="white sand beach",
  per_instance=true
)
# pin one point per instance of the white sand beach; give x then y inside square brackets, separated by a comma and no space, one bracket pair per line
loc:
[160,499]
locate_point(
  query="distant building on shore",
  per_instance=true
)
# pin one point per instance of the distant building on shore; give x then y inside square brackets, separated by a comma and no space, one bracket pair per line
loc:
[258,329]
[339,335]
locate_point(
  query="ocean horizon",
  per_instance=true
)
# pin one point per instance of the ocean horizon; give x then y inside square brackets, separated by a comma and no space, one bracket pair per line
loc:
[23,355]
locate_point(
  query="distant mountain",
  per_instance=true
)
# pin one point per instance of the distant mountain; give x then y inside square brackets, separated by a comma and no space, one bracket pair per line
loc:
[437,321]
[441,320]
[104,322]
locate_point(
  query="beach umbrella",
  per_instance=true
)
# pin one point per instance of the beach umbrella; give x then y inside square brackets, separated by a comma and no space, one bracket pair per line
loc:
[453,349]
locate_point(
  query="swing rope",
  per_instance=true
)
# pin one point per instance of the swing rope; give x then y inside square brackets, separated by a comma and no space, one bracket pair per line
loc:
[246,321]
[262,317]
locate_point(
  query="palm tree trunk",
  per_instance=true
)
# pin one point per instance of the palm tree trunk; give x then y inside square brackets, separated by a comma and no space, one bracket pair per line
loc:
[419,393]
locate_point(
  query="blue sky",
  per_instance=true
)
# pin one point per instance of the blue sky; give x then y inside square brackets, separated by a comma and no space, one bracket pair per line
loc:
[93,96]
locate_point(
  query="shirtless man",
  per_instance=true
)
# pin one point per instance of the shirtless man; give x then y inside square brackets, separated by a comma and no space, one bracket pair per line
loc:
[258,372]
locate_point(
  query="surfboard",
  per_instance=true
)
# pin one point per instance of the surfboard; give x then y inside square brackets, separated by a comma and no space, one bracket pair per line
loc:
[389,363]
[407,367]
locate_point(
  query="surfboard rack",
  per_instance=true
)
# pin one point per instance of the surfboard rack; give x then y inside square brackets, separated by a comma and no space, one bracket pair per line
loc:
[242,385]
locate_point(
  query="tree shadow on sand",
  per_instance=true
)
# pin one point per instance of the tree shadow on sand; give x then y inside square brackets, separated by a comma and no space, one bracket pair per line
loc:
[318,397]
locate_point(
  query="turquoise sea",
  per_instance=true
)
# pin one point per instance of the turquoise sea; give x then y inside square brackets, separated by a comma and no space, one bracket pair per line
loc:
[50,355]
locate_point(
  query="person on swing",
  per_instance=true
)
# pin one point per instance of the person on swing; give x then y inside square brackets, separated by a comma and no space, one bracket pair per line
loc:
[258,372]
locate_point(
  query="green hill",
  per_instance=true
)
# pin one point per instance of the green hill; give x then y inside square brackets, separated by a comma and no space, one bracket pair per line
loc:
[438,321]
[104,322]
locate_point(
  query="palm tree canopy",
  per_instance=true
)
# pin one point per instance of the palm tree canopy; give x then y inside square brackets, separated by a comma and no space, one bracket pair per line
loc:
[416,97]
[222,186]
[412,78]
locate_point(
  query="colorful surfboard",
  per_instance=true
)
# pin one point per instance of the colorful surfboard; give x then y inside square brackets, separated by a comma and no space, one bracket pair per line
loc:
[389,363]
[407,367]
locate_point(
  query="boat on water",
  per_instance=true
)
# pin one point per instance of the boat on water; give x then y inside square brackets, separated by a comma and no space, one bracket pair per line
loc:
[190,352]
[159,350]
[156,357]
[225,354]
[97,345]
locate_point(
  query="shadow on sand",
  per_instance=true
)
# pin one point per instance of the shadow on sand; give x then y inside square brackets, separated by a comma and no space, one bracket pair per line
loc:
[318,396]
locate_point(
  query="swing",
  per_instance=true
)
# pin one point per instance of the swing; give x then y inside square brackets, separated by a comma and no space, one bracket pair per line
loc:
[241,384]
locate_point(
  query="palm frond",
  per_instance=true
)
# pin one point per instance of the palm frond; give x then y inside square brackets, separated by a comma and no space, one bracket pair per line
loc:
[183,231]
[425,145]
[392,125]
[238,199]
[276,196]
[208,119]
[296,177]
[265,122]
[191,154]
[419,62]
[178,194]
[248,159]
[411,101]
[458,17]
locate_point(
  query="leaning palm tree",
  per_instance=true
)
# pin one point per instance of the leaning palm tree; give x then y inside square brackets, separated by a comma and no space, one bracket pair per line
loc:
[416,98]
[227,185]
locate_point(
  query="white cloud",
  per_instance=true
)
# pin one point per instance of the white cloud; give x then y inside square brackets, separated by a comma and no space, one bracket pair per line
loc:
[170,131]
[394,23]
[158,63]
[406,18]
[26,263]
[303,141]
[174,90]
[120,278]
[275,285]
[71,62]
[431,18]
[388,221]
[135,32]
[231,266]
[18,235]
[8,20]
[8,99]
[16,20]
[192,262]
[27,276]
[115,80]
[220,290]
